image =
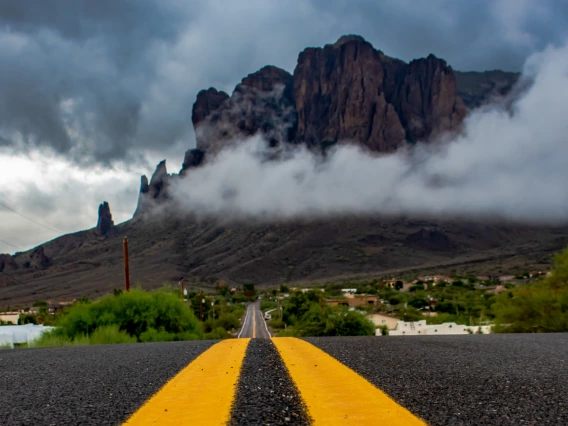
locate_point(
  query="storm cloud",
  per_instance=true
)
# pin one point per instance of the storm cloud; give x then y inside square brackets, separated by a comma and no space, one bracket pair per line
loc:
[108,80]
[95,93]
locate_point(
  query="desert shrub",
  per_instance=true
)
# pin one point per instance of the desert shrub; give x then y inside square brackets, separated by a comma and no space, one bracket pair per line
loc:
[110,334]
[133,313]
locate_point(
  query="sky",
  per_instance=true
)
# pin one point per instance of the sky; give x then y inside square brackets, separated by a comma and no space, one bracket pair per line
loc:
[94,94]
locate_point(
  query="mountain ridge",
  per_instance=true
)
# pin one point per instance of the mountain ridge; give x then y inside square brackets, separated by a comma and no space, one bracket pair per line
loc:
[345,90]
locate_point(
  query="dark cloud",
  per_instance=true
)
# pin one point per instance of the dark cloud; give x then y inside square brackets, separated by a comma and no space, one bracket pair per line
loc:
[107,80]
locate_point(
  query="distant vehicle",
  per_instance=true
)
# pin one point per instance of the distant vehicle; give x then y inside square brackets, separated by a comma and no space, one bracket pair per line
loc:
[267,316]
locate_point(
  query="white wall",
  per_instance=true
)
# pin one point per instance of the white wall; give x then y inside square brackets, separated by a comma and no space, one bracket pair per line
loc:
[420,328]
[11,334]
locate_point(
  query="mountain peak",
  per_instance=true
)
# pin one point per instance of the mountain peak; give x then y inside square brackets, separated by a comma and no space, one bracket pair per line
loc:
[105,224]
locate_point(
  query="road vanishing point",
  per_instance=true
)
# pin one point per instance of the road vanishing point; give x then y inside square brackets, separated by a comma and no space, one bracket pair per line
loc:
[258,380]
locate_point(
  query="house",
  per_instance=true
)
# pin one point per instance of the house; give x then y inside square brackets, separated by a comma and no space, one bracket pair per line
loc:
[382,319]
[494,289]
[355,301]
[420,328]
[10,317]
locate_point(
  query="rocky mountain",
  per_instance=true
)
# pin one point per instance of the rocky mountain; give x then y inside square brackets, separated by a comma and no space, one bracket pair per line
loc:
[479,88]
[345,92]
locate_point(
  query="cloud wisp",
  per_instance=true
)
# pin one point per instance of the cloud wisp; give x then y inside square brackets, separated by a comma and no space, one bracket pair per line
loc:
[508,164]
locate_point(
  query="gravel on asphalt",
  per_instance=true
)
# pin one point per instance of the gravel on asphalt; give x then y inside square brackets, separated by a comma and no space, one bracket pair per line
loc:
[497,379]
[89,385]
[266,395]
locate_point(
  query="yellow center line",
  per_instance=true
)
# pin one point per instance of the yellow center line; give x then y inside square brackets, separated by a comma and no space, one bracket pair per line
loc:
[253,322]
[200,394]
[335,394]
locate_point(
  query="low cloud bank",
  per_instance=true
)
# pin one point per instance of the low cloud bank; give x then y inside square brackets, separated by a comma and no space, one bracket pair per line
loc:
[509,163]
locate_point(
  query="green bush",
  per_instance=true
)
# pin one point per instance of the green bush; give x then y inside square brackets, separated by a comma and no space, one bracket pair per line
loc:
[276,323]
[110,334]
[217,334]
[536,308]
[144,316]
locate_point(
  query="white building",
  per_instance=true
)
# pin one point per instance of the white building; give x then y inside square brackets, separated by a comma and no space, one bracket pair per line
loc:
[420,328]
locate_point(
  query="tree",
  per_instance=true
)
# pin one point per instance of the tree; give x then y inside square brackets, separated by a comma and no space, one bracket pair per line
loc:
[539,307]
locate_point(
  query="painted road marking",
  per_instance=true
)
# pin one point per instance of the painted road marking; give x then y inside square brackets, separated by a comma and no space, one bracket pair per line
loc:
[244,324]
[335,394]
[200,394]
[253,321]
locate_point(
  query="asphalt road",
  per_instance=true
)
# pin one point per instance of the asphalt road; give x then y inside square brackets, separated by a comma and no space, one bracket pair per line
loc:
[90,385]
[445,380]
[254,324]
[495,379]
[266,395]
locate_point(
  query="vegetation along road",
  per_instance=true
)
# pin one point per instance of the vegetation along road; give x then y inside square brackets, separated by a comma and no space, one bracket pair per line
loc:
[438,380]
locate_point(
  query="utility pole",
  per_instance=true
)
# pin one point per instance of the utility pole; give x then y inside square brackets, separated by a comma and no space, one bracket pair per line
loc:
[126,270]
[201,306]
[182,289]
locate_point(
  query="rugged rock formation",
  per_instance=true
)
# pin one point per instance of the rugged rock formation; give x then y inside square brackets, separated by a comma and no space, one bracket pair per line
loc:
[193,158]
[427,99]
[7,263]
[350,91]
[105,224]
[429,239]
[38,259]
[261,102]
[207,102]
[478,88]
[339,95]
[346,91]
[154,192]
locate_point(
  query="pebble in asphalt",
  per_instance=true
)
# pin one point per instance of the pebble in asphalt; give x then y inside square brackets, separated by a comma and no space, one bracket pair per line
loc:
[499,379]
[91,385]
[266,395]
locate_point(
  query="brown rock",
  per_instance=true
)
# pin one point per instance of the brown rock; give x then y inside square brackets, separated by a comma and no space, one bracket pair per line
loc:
[427,100]
[7,263]
[193,158]
[262,102]
[207,101]
[38,259]
[339,92]
[350,91]
[105,224]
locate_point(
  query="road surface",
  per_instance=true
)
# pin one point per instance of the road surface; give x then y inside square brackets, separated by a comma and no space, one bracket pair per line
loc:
[254,324]
[437,380]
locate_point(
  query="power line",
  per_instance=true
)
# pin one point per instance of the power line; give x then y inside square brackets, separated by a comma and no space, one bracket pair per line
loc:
[8,275]
[31,220]
[10,244]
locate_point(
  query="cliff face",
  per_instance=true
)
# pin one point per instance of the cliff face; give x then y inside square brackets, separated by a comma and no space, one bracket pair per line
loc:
[346,91]
[261,102]
[427,99]
[350,91]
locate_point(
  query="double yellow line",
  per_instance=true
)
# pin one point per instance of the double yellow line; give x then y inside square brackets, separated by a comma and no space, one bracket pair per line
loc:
[204,391]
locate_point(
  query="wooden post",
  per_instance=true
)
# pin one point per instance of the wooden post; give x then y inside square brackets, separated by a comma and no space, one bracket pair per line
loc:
[126,270]
[182,289]
[201,306]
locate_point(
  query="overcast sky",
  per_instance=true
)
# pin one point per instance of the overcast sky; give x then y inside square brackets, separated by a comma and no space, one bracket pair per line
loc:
[95,93]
